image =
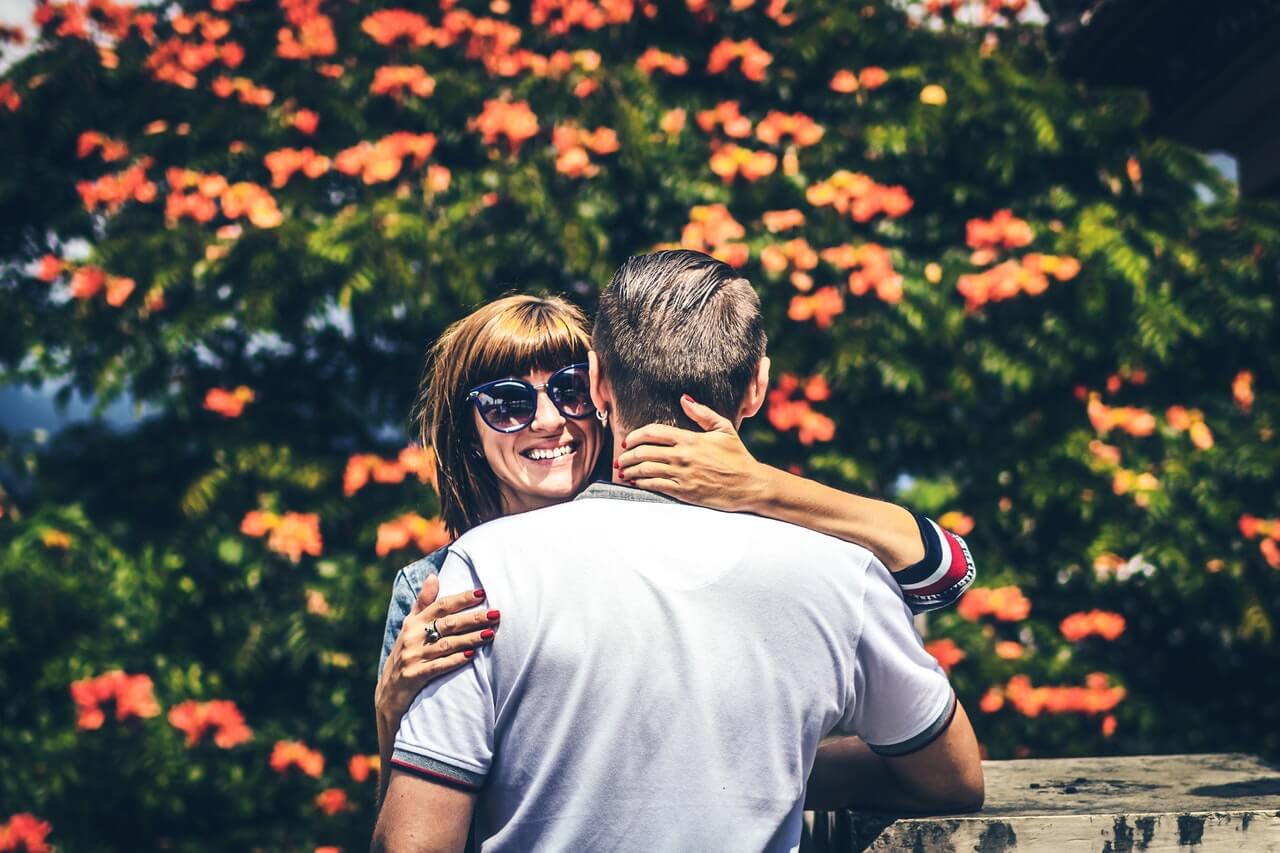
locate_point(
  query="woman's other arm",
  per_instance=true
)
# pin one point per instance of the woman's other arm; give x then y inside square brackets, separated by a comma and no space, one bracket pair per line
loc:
[409,662]
[715,469]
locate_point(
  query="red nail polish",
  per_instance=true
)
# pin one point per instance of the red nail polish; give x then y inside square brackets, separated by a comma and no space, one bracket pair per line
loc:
[486,633]
[494,614]
[617,464]
[468,654]
[624,444]
[479,593]
[686,398]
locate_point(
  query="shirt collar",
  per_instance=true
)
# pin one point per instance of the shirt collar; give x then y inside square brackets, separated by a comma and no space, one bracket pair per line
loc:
[620,492]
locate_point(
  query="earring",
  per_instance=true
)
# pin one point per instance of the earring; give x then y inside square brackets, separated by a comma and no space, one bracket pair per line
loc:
[603,417]
[477,453]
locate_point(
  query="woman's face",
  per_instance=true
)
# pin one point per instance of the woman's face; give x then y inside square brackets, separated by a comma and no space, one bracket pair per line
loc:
[545,463]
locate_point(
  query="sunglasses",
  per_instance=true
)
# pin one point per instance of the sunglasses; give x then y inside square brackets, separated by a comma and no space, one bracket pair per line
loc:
[509,405]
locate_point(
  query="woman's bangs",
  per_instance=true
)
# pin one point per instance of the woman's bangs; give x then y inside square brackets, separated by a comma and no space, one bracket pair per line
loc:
[529,337]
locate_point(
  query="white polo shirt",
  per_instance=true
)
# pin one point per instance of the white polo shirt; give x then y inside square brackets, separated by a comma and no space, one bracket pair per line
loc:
[663,675]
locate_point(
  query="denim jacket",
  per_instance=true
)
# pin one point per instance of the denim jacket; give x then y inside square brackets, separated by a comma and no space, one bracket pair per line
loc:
[404,592]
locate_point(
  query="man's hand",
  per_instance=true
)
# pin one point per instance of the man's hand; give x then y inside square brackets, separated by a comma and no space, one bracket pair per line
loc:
[419,816]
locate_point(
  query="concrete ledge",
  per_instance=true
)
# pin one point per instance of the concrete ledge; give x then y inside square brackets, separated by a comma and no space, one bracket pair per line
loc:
[1228,802]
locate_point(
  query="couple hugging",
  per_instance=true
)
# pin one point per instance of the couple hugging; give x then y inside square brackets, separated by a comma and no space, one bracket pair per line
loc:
[642,638]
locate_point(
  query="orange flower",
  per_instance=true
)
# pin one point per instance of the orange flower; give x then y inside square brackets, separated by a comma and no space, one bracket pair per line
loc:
[1270,552]
[782,220]
[1009,650]
[25,832]
[945,652]
[310,33]
[1108,725]
[873,77]
[285,162]
[875,270]
[933,95]
[727,116]
[244,90]
[1094,698]
[572,144]
[360,766]
[844,82]
[816,388]
[992,700]
[730,160]
[112,191]
[248,199]
[957,522]
[295,534]
[786,414]
[713,229]
[859,196]
[428,535]
[656,60]
[381,161]
[306,121]
[1103,623]
[1006,604]
[1135,421]
[515,121]
[803,130]
[560,16]
[753,58]
[292,753]
[229,404]
[87,281]
[195,719]
[395,79]
[357,472]
[387,26]
[821,307]
[51,267]
[258,523]
[672,121]
[133,696]
[90,141]
[331,800]
[9,96]
[1003,230]
[1242,390]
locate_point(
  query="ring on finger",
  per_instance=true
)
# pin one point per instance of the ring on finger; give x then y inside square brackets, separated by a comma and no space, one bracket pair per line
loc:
[433,633]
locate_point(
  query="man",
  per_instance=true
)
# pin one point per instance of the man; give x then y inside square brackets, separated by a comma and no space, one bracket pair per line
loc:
[655,686]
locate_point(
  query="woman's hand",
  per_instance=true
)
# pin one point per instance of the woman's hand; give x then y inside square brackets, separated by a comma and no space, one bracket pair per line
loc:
[712,469]
[413,662]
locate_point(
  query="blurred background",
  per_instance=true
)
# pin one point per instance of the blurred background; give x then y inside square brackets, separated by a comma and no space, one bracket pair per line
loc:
[1019,267]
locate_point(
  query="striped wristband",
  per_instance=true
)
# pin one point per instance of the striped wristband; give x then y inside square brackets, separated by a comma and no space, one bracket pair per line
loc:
[942,576]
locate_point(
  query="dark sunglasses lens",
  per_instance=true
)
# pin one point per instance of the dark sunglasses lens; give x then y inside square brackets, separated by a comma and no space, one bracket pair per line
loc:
[570,391]
[506,406]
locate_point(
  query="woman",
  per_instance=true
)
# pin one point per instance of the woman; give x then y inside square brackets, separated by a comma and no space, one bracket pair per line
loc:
[505,405]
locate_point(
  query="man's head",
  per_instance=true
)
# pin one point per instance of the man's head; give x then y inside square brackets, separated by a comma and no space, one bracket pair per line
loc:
[672,323]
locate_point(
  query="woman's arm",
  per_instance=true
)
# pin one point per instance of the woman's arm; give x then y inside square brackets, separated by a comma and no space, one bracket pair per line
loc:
[715,469]
[410,662]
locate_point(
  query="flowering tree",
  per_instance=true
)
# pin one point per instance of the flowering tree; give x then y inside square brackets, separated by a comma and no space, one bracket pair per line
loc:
[990,294]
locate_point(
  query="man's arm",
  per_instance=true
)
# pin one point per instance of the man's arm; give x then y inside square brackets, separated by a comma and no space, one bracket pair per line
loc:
[420,816]
[945,776]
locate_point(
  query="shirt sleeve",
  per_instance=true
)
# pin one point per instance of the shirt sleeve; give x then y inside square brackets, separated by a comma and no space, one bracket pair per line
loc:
[902,700]
[447,733]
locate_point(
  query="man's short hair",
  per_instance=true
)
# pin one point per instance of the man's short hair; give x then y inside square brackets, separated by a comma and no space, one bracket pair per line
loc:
[677,322]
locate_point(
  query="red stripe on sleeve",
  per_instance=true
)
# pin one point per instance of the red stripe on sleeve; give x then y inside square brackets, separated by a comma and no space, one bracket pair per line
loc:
[959,568]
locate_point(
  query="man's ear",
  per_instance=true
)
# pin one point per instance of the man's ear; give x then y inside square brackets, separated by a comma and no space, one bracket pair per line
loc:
[601,393]
[757,391]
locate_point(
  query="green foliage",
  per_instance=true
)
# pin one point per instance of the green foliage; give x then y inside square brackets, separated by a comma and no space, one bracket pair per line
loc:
[123,549]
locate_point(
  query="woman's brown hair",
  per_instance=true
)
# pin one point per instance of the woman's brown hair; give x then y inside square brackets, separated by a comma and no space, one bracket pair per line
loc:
[511,336]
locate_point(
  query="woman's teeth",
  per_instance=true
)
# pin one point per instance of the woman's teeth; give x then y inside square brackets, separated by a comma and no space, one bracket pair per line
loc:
[542,454]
